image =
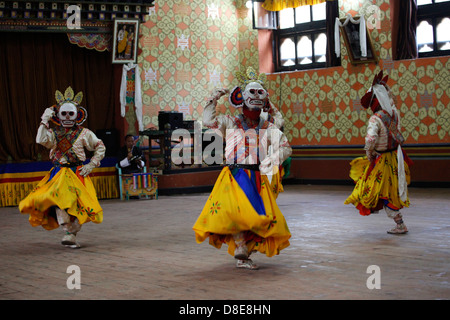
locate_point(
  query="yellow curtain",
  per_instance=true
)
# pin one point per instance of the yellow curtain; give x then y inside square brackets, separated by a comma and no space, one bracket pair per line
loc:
[16,186]
[278,5]
[105,182]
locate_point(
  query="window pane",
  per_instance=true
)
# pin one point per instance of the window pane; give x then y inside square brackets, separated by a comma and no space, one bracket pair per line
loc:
[320,47]
[443,34]
[304,50]
[287,52]
[302,14]
[436,1]
[319,11]
[263,18]
[425,36]
[286,18]
[420,2]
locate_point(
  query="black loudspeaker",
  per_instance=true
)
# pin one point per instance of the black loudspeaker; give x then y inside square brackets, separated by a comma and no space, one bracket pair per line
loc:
[188,124]
[175,119]
[110,138]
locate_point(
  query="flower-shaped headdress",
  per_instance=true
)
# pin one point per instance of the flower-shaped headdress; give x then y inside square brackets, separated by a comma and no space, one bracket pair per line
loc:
[250,76]
[236,99]
[69,97]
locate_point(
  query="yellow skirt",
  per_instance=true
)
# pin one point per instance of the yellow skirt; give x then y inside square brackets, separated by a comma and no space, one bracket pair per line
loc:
[228,210]
[65,190]
[376,185]
[276,183]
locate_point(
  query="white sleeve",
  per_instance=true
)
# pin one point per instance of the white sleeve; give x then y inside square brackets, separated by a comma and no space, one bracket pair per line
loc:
[213,121]
[373,129]
[45,137]
[124,163]
[92,143]
[281,150]
[276,115]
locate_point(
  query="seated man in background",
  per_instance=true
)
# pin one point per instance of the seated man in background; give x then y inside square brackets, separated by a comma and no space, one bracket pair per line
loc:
[130,158]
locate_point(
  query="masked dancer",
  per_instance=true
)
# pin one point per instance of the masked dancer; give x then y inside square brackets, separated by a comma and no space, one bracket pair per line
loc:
[66,196]
[382,176]
[241,210]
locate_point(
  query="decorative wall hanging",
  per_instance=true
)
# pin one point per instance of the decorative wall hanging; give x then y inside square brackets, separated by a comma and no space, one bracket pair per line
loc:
[356,39]
[97,41]
[126,90]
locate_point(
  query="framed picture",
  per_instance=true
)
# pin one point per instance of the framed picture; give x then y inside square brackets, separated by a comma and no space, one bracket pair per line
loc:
[125,40]
[351,36]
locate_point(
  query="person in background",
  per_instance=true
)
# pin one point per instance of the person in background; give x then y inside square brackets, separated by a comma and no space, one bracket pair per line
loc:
[130,159]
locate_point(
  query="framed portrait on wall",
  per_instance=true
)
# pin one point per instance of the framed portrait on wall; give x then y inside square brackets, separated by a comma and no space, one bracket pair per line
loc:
[351,35]
[125,40]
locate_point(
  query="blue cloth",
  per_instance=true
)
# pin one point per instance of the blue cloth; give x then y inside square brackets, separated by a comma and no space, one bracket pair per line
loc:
[249,187]
[56,170]
[45,165]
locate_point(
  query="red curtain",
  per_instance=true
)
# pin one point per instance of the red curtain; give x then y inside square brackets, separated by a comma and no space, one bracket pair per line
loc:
[32,67]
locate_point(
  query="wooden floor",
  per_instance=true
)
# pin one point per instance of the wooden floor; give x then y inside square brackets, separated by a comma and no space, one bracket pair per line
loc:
[145,249]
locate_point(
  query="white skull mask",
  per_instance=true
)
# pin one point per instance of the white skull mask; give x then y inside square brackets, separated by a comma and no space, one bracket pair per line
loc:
[255,96]
[67,114]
